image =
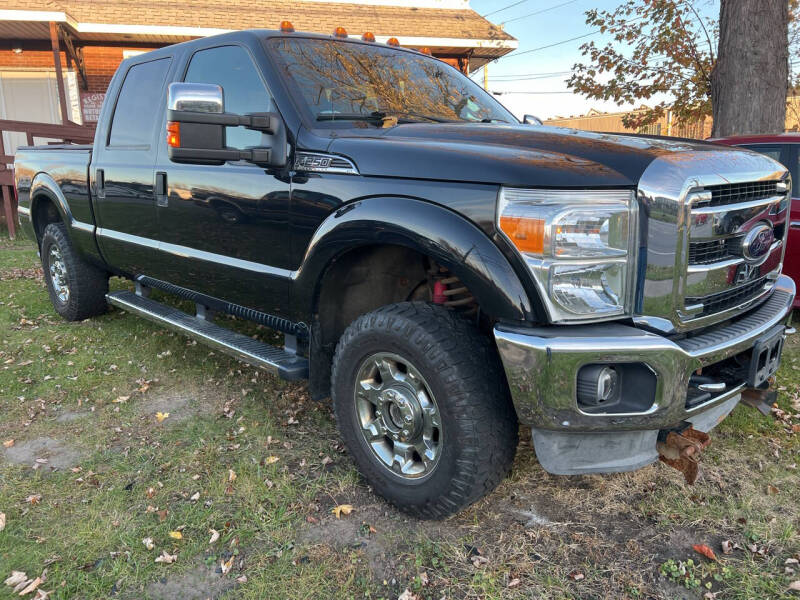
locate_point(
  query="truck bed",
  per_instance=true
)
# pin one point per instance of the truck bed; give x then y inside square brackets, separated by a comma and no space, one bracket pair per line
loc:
[67,164]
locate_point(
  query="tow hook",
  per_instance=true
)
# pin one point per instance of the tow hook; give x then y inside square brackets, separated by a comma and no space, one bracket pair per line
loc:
[681,450]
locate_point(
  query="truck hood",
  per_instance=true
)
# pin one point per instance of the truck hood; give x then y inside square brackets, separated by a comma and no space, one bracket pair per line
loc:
[517,155]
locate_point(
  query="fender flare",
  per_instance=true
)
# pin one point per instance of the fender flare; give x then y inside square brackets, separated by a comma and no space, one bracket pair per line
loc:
[44,185]
[431,229]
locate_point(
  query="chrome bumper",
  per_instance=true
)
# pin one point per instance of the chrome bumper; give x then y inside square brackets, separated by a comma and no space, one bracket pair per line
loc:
[541,365]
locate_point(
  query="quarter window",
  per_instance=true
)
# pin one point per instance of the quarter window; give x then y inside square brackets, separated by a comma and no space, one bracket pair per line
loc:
[133,122]
[243,90]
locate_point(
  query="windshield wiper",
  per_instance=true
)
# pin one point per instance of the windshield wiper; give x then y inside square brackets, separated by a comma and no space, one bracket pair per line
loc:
[379,116]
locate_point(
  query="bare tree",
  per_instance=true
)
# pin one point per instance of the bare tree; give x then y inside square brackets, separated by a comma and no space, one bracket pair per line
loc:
[750,78]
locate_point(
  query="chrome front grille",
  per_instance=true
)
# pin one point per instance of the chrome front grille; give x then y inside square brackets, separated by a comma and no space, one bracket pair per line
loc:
[709,258]
[735,193]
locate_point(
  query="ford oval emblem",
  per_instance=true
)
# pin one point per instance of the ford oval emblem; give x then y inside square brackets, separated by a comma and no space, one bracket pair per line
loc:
[757,242]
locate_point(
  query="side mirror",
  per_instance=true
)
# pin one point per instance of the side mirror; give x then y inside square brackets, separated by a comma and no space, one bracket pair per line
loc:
[532,120]
[196,122]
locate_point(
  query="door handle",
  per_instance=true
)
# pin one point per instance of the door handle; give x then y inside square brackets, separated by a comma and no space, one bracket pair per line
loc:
[100,184]
[161,189]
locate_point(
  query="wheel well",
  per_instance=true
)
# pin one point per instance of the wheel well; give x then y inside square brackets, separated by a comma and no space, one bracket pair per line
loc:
[367,278]
[44,213]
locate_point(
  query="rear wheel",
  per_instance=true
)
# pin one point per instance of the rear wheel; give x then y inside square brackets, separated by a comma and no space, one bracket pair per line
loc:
[77,289]
[423,406]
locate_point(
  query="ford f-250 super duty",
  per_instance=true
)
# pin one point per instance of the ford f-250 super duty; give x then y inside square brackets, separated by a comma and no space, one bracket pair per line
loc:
[442,271]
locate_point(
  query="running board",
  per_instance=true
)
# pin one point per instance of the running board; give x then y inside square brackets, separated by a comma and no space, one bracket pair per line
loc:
[278,361]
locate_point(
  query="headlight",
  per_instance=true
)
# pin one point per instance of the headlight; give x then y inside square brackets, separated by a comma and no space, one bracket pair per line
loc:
[579,245]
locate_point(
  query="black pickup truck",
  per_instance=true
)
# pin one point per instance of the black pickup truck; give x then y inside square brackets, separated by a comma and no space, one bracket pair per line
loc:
[440,270]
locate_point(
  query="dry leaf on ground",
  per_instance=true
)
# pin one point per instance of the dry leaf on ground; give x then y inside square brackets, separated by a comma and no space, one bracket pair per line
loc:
[214,536]
[8,443]
[166,558]
[148,543]
[342,509]
[160,416]
[705,551]
[2,521]
[176,535]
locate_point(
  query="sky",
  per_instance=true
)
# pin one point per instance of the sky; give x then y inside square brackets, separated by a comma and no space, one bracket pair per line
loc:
[531,92]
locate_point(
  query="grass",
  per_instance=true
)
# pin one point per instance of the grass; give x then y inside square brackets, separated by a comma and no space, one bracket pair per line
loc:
[251,457]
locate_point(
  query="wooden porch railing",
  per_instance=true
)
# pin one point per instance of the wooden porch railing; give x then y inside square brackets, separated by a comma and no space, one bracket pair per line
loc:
[68,133]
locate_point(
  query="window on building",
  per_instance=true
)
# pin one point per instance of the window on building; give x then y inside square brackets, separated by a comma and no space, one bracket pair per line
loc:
[652,129]
[243,89]
[133,122]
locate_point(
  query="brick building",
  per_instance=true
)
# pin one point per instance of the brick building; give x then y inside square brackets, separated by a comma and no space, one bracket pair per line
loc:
[91,37]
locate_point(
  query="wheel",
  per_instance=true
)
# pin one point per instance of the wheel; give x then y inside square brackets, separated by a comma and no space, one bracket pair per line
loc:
[77,288]
[423,406]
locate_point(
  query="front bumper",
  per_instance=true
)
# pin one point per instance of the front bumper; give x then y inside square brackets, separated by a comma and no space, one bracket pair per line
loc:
[542,363]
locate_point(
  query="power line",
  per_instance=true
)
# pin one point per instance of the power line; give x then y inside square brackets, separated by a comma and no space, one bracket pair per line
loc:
[539,11]
[504,8]
[497,93]
[551,45]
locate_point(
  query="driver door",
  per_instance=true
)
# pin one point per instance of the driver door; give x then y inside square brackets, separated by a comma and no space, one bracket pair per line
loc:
[227,226]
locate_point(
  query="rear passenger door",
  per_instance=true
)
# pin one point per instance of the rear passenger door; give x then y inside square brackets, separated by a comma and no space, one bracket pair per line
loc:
[226,227]
[122,169]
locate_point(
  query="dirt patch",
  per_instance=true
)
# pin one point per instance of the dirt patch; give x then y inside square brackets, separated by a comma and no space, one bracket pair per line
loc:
[180,404]
[68,416]
[198,584]
[57,454]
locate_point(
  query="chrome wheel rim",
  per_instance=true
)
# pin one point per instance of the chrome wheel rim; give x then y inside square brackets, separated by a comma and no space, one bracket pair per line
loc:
[58,274]
[398,416]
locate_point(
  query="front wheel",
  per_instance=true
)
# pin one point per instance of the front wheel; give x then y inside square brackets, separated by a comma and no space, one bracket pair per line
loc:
[422,403]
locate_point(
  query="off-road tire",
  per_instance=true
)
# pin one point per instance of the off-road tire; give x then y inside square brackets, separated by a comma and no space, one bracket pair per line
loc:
[88,284]
[465,376]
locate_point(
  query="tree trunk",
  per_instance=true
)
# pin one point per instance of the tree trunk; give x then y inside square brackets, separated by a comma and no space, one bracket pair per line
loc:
[750,79]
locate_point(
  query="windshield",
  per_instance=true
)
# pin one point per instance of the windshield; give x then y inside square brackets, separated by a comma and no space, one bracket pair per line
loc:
[336,80]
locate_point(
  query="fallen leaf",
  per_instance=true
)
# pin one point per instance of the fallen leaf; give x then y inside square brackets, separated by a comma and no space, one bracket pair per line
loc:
[214,536]
[166,558]
[151,491]
[271,460]
[34,499]
[705,551]
[16,578]
[121,399]
[2,521]
[311,519]
[195,497]
[727,547]
[162,515]
[176,535]
[477,561]
[342,509]
[514,582]
[795,586]
[231,475]
[791,561]
[577,576]
[41,595]
[226,565]
[31,586]
[148,543]
[408,595]
[160,416]
[241,579]
[772,490]
[8,443]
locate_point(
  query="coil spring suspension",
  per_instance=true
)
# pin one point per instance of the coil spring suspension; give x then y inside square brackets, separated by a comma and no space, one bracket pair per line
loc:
[451,293]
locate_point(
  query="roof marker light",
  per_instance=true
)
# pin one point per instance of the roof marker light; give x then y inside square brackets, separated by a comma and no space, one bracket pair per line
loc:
[426,50]
[287,27]
[340,32]
[368,37]
[392,41]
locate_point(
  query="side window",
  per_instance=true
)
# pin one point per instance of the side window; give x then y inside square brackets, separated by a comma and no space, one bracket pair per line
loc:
[771,151]
[232,68]
[133,120]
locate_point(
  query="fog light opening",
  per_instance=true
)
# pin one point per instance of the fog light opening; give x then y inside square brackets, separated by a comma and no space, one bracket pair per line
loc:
[597,385]
[616,388]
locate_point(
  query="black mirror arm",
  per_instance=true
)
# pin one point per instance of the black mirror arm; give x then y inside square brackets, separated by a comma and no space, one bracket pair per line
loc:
[265,122]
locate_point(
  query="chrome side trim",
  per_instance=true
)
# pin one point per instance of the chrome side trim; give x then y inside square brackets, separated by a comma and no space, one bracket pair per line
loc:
[795,224]
[80,225]
[193,253]
[541,365]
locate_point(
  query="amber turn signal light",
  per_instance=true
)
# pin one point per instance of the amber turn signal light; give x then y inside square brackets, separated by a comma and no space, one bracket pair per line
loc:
[392,42]
[340,32]
[368,36]
[173,134]
[287,27]
[426,50]
[525,233]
